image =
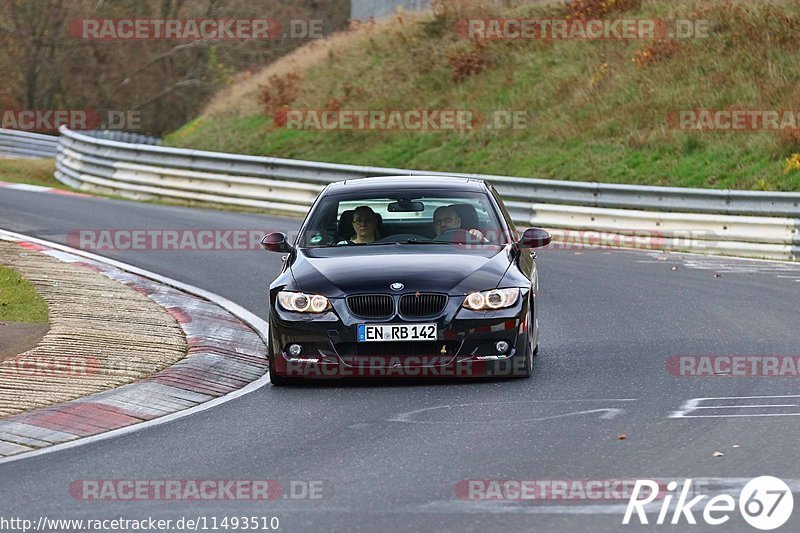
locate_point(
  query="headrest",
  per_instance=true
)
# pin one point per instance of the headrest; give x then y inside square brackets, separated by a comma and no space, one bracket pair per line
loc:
[467,214]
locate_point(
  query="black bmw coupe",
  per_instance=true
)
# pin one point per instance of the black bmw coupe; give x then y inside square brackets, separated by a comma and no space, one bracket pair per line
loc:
[405,276]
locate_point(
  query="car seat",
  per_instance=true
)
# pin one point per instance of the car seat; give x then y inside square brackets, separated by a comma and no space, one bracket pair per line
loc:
[468,216]
[344,229]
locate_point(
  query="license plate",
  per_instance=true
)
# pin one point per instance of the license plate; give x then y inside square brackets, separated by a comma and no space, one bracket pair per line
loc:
[396,332]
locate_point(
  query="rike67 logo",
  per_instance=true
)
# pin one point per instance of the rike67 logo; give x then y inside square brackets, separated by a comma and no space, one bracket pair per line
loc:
[765,503]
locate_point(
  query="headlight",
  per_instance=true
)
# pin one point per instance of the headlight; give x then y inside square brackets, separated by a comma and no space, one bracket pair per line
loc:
[494,299]
[300,302]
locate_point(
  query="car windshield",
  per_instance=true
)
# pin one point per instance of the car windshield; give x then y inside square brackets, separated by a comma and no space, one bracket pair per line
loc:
[402,217]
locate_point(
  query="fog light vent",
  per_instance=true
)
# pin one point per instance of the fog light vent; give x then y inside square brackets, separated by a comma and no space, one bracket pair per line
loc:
[295,350]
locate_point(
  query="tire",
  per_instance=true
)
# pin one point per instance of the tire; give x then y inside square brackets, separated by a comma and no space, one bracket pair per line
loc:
[530,353]
[527,371]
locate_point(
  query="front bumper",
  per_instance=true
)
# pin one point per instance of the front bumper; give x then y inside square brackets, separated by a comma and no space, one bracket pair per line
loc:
[465,345]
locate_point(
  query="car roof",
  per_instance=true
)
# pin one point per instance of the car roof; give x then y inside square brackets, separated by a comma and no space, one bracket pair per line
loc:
[456,183]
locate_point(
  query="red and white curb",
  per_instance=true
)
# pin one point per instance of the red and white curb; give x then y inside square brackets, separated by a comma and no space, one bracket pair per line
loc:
[227,359]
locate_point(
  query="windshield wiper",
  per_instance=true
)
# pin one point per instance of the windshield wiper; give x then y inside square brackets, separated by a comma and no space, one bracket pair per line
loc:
[355,244]
[409,241]
[418,241]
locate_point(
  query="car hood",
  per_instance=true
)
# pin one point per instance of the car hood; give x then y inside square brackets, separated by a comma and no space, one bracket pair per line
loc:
[337,272]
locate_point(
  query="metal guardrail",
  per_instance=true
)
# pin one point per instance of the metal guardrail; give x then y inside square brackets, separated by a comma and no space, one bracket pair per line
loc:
[124,136]
[748,223]
[15,143]
[590,194]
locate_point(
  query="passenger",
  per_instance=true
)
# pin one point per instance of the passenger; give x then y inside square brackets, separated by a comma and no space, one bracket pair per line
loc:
[365,226]
[446,218]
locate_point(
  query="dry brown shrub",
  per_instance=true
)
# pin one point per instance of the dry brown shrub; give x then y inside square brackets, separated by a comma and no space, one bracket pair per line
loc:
[594,9]
[469,62]
[650,54]
[281,91]
[787,142]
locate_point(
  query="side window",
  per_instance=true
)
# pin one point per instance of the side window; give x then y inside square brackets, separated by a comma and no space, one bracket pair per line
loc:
[504,211]
[323,232]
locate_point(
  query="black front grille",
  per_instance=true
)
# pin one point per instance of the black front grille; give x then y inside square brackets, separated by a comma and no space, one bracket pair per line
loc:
[445,349]
[421,305]
[371,305]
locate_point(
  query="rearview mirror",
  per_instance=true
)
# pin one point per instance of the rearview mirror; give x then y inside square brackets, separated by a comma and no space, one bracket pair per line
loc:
[534,238]
[276,242]
[404,206]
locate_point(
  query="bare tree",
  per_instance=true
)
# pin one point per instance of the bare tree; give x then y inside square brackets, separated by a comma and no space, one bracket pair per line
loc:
[168,81]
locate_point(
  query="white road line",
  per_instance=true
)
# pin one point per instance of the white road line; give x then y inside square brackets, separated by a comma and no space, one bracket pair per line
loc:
[750,397]
[737,416]
[259,325]
[747,406]
[609,412]
[694,404]
[722,259]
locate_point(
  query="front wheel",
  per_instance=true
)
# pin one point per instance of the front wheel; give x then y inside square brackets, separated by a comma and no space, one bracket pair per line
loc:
[527,369]
[530,353]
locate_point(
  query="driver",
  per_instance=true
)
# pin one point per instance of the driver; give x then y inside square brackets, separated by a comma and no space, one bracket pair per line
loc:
[446,218]
[365,226]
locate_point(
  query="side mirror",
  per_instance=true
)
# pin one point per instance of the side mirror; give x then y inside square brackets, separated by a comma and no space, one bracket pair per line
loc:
[276,242]
[534,238]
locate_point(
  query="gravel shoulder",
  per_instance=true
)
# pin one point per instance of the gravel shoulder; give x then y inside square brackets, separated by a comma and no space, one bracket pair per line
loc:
[103,334]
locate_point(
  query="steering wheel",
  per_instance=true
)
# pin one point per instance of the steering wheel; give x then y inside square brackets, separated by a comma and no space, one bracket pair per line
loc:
[403,237]
[455,235]
[460,236]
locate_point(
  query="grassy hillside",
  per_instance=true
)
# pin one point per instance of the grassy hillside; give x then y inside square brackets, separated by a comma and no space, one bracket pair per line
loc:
[597,110]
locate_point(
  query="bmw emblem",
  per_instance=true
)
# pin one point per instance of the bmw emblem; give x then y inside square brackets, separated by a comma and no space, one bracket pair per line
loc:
[397,286]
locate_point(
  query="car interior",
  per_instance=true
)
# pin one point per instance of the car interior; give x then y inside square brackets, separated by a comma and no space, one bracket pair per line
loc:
[340,228]
[424,227]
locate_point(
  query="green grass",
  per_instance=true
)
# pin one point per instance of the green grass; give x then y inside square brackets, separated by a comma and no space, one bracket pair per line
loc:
[31,171]
[586,122]
[19,301]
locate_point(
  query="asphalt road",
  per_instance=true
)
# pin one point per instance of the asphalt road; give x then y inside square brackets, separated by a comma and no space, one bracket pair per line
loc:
[390,456]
